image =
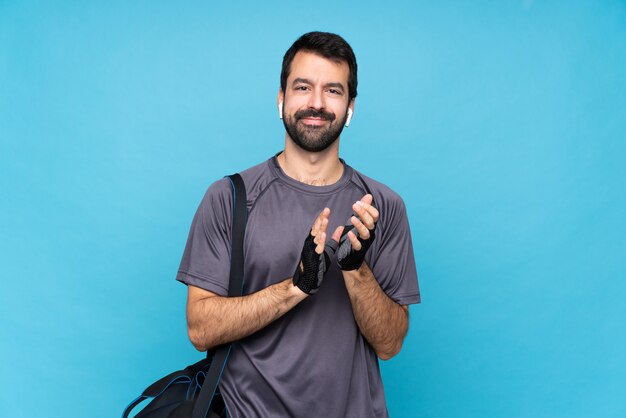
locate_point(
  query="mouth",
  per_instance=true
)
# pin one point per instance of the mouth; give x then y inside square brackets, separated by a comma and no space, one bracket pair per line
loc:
[314,118]
[313,121]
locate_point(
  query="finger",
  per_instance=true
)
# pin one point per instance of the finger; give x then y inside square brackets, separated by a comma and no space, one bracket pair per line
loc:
[364,215]
[323,215]
[367,204]
[320,229]
[320,245]
[324,226]
[364,233]
[356,244]
[367,199]
[318,221]
[337,234]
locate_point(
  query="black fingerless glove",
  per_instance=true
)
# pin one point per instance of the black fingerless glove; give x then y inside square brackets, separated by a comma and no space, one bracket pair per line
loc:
[312,266]
[347,257]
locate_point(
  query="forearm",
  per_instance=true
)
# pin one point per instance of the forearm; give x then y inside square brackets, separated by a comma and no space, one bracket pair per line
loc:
[216,320]
[382,321]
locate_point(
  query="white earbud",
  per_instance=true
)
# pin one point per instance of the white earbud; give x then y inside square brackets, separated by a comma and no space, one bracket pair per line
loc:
[280,109]
[349,118]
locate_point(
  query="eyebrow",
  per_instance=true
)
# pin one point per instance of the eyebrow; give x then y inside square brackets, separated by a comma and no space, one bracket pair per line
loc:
[307,81]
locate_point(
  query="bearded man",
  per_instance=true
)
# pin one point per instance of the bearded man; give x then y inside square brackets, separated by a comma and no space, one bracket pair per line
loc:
[329,267]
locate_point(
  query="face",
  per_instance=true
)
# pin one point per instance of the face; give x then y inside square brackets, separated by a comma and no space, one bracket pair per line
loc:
[315,101]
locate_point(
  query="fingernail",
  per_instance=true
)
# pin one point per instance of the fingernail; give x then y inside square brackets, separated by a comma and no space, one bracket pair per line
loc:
[358,202]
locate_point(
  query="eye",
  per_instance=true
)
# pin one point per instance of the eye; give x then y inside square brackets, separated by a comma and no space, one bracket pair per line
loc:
[301,88]
[335,91]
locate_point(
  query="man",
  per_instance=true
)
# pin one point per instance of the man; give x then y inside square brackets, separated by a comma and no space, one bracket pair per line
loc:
[314,318]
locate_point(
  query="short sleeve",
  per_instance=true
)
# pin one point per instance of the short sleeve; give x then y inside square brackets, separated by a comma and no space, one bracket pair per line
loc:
[206,260]
[391,256]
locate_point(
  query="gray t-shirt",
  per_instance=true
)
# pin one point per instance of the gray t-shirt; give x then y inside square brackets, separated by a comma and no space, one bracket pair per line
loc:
[313,361]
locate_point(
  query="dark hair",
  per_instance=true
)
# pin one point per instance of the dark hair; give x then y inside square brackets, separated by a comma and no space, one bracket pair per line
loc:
[327,45]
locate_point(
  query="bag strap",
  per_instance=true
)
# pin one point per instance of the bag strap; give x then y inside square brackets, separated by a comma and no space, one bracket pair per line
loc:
[240,214]
[235,288]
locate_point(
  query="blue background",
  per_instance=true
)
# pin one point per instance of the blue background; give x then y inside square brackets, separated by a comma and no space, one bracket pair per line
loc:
[502,124]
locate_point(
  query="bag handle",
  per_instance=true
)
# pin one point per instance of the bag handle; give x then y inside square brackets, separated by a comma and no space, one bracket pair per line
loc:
[235,288]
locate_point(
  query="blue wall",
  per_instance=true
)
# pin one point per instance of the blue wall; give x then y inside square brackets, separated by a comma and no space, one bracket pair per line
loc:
[502,124]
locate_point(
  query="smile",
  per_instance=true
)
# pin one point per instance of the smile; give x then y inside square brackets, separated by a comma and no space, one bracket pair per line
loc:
[313,121]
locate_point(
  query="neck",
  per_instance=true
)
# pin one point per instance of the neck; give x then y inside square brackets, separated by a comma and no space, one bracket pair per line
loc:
[314,168]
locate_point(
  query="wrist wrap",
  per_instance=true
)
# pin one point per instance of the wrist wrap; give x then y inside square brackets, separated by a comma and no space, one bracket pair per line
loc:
[347,257]
[312,266]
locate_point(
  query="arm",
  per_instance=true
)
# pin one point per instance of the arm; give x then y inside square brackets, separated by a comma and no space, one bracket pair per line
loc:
[213,320]
[382,321]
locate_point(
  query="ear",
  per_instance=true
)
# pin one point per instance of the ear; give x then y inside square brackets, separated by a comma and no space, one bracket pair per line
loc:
[281,99]
[350,113]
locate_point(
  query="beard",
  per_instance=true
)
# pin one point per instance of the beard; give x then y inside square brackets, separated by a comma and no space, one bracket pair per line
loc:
[313,138]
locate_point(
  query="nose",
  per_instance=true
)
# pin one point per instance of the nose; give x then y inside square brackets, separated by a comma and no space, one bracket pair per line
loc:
[316,99]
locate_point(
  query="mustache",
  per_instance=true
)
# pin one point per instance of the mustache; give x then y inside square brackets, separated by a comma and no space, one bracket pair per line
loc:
[313,113]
